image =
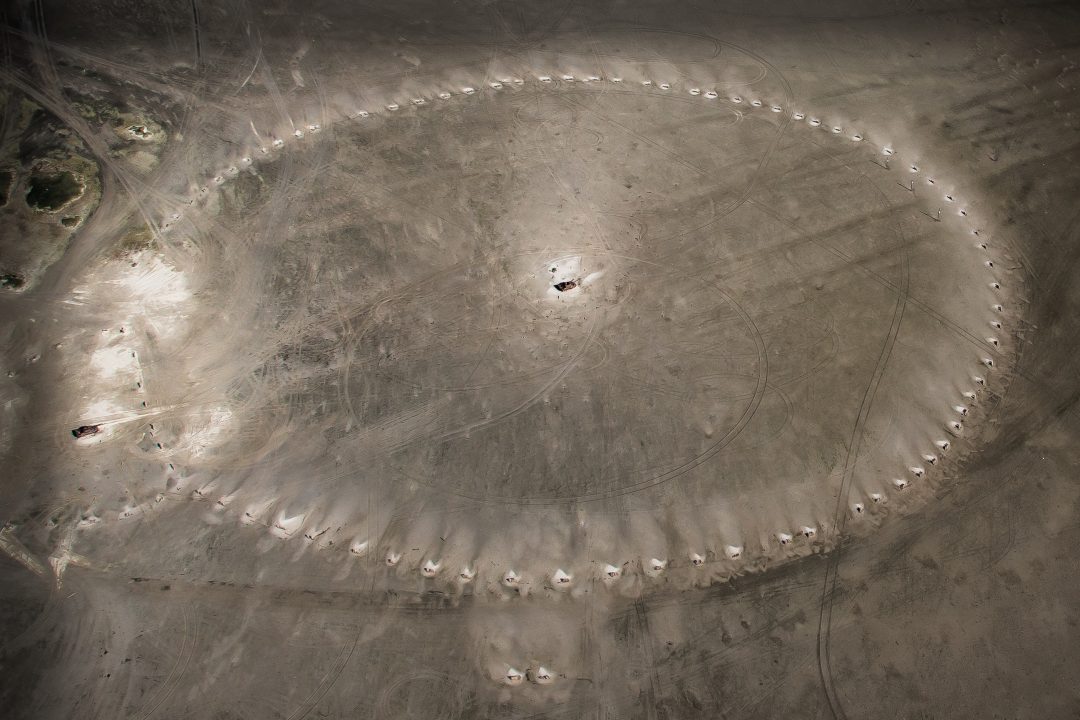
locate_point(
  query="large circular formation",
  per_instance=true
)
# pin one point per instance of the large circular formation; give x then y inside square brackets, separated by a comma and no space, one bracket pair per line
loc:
[530,360]
[689,308]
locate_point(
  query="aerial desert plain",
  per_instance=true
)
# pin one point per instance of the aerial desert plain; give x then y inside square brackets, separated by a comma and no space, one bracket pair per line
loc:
[539,360]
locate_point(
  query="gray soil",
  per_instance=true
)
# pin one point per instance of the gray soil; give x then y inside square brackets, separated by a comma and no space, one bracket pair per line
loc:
[528,360]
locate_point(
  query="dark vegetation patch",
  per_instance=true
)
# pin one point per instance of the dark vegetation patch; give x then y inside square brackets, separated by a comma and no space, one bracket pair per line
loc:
[12,281]
[6,178]
[51,191]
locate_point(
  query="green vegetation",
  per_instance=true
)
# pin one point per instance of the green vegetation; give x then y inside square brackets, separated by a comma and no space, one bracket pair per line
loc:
[95,110]
[135,241]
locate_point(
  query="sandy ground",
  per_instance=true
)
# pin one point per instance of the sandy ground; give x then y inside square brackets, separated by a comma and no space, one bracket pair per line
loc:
[546,360]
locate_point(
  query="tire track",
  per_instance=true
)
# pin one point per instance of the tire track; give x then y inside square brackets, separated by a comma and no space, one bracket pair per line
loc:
[828,592]
[328,680]
[176,674]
